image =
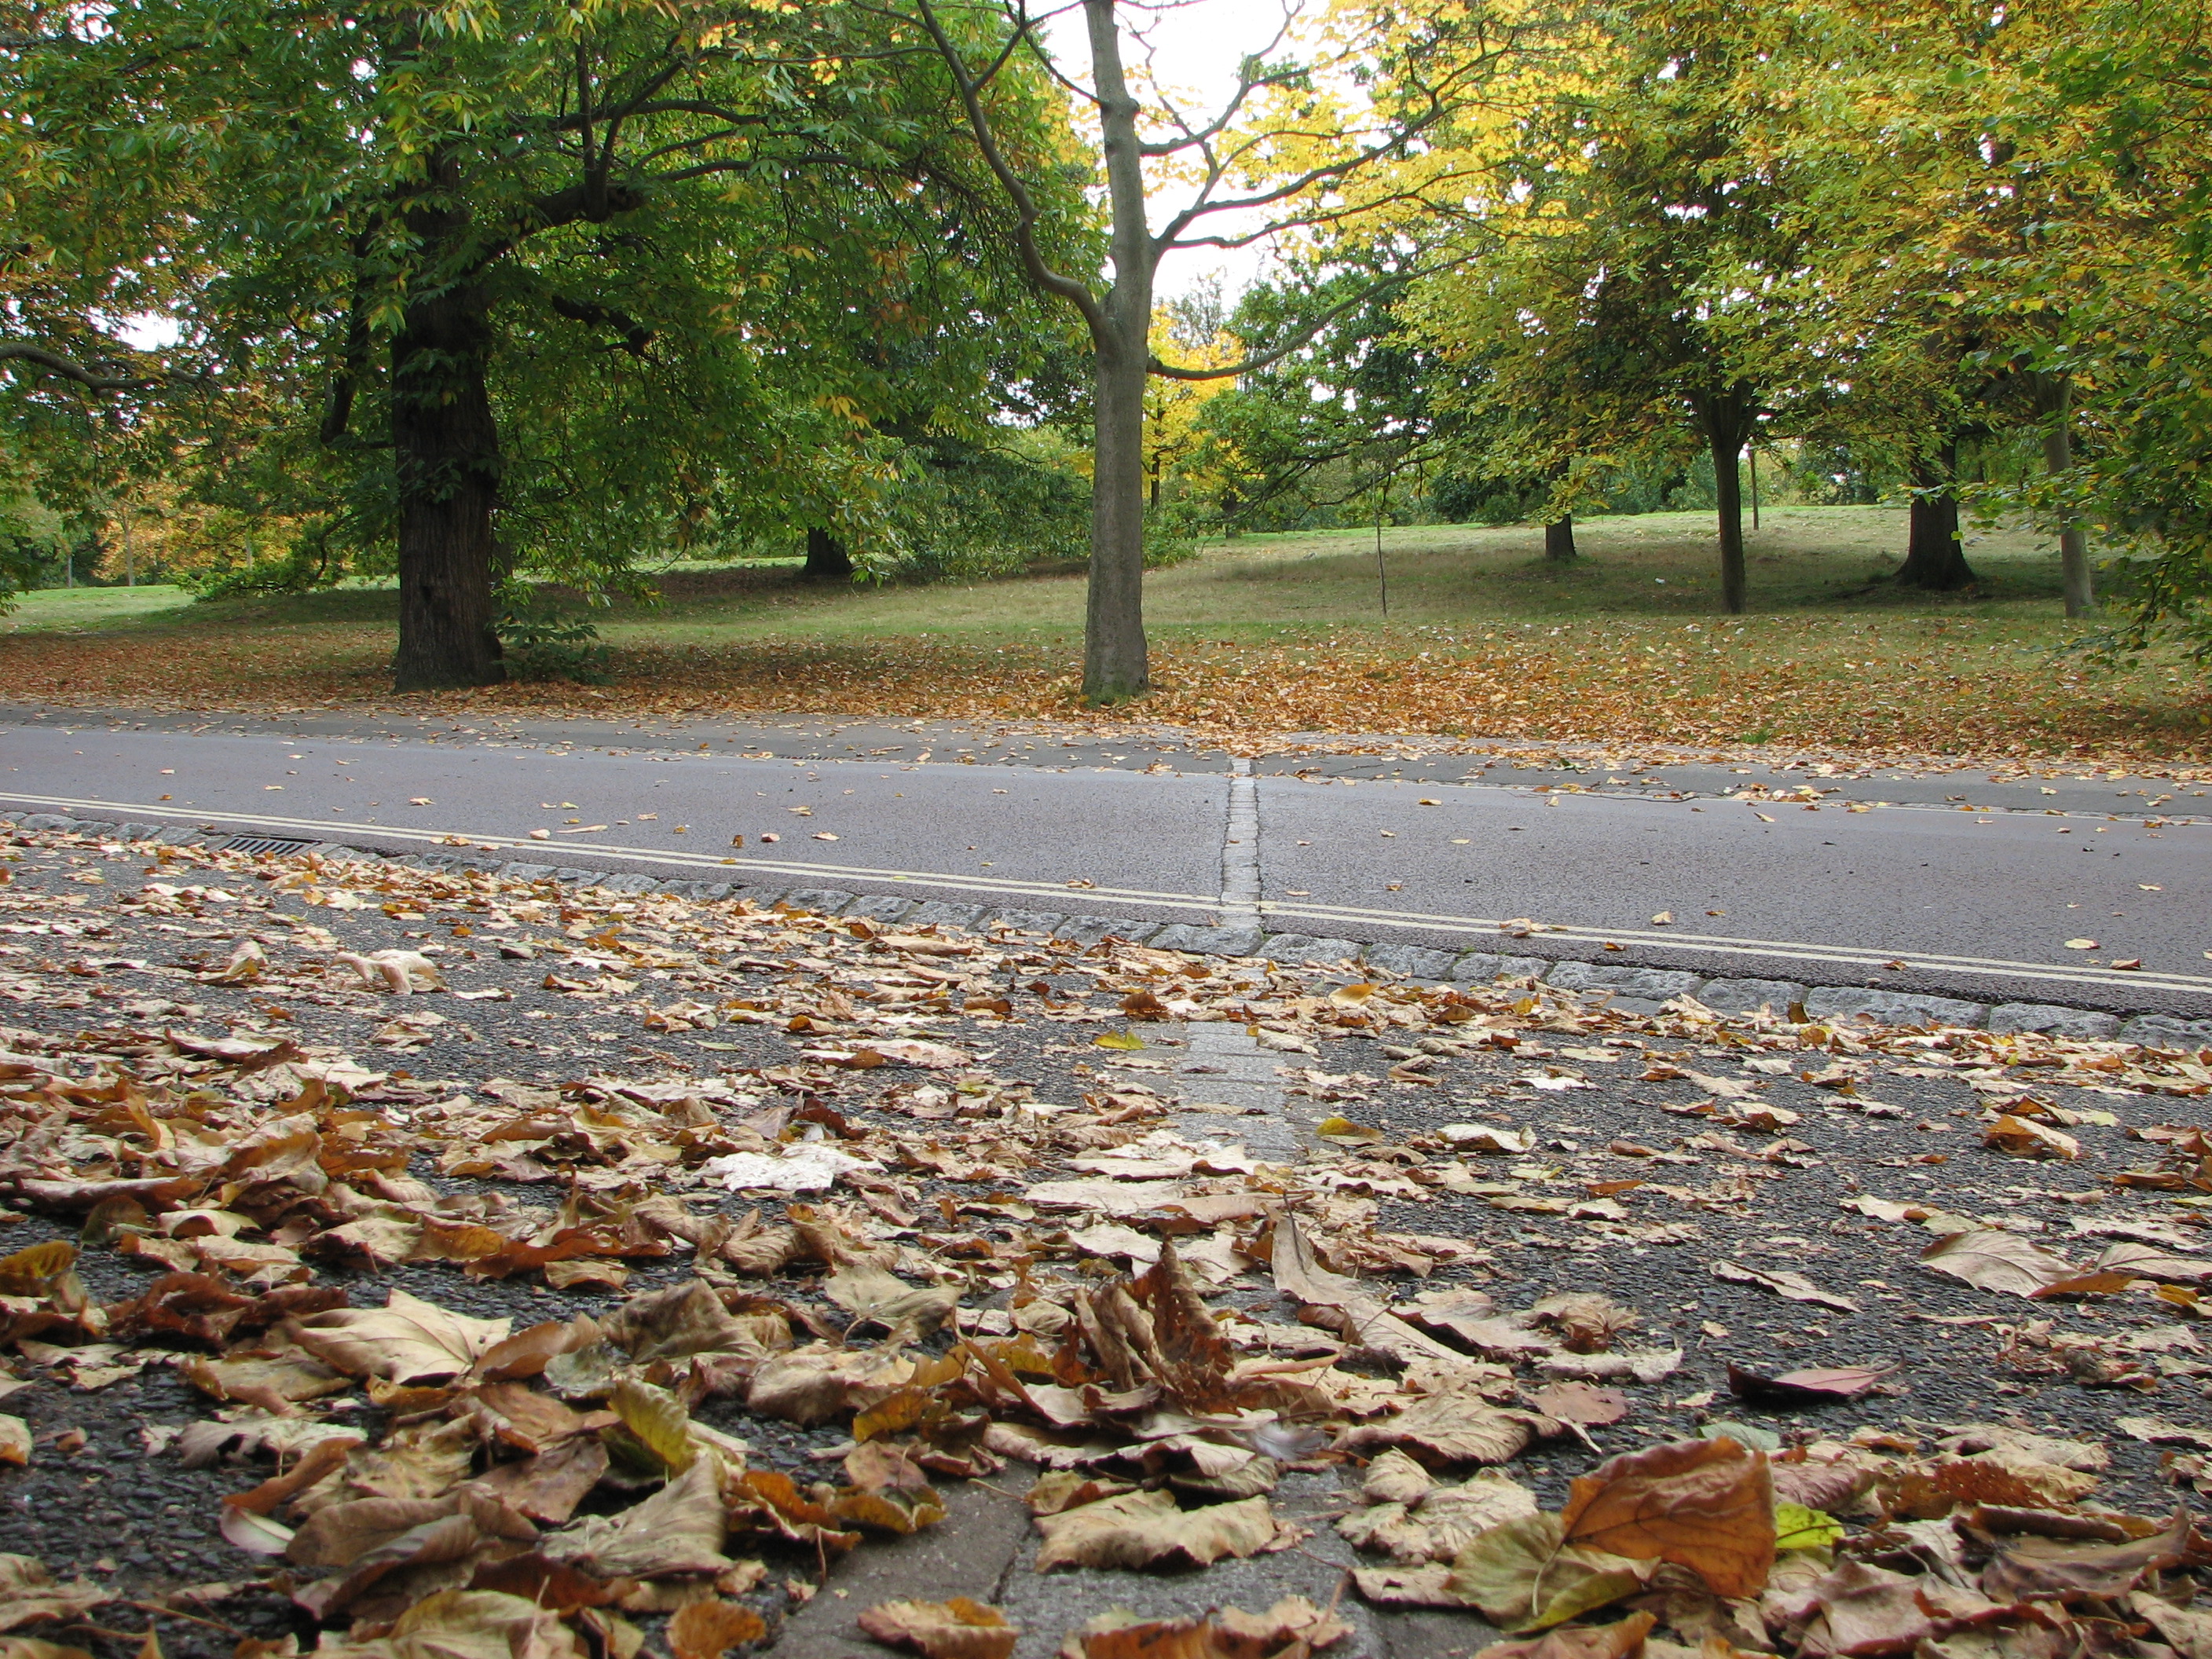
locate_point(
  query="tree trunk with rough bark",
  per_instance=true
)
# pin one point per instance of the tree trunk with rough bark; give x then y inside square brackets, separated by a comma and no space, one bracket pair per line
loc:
[1728,419]
[2057,457]
[1559,537]
[1727,492]
[1935,558]
[446,456]
[1115,663]
[828,559]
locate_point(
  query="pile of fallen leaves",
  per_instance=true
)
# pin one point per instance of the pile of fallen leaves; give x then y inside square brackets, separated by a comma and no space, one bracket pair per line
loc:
[957,1279]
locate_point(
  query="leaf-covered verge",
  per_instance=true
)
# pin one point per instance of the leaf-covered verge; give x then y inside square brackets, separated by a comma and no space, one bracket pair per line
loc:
[1731,699]
[402,1263]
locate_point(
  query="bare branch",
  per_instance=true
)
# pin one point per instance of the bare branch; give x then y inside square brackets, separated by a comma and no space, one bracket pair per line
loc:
[70,369]
[1304,338]
[1026,214]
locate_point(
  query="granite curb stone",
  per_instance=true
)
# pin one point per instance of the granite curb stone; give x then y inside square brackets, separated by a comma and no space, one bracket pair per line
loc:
[1893,1007]
[1640,990]
[2052,1020]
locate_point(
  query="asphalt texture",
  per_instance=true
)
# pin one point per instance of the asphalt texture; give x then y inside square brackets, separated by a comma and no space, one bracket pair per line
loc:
[118,1508]
[1949,883]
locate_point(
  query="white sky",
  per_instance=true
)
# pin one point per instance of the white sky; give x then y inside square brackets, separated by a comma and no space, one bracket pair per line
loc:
[1197,45]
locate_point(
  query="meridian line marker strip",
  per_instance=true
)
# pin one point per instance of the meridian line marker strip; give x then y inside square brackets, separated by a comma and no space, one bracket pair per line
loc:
[1473,927]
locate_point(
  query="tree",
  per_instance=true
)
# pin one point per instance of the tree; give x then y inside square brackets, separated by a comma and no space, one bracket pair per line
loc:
[547,283]
[1332,423]
[1652,271]
[1315,146]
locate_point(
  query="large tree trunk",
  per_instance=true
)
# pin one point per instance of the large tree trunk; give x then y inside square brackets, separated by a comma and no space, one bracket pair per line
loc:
[1728,491]
[446,453]
[1559,537]
[1935,558]
[1115,664]
[2058,457]
[827,558]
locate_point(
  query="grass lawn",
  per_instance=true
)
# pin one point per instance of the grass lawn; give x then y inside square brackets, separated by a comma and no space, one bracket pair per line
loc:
[1269,635]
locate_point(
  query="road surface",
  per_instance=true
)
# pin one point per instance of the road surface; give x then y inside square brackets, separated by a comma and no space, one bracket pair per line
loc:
[1945,882]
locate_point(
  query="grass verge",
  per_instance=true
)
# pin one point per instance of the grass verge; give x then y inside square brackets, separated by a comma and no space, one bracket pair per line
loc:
[1270,637]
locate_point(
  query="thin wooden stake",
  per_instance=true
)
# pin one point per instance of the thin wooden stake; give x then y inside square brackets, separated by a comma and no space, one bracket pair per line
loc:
[1382,571]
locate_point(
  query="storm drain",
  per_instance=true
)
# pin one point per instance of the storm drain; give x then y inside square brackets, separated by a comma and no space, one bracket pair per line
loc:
[257,844]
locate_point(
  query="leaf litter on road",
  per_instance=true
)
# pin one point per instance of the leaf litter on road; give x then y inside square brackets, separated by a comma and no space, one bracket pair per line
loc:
[415,1469]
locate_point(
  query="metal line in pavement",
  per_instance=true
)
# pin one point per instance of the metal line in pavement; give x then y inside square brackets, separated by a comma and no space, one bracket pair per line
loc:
[1484,928]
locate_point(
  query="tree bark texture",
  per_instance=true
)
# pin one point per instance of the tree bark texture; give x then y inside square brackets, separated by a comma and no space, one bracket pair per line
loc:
[1728,418]
[446,453]
[1935,558]
[1559,537]
[2073,543]
[827,558]
[1115,664]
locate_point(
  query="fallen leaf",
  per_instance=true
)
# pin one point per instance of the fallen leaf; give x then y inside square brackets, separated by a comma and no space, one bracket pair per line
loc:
[1707,1505]
[1990,1259]
[1622,1639]
[1291,1629]
[1806,1387]
[1791,1286]
[406,1340]
[1579,1402]
[1526,1575]
[957,1629]
[708,1629]
[2020,1137]
[2054,1568]
[1147,1529]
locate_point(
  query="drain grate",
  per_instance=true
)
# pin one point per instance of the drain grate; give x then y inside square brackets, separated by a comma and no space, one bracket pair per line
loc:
[257,844]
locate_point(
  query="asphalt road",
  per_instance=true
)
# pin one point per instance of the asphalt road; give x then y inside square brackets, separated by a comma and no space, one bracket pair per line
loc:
[1944,882]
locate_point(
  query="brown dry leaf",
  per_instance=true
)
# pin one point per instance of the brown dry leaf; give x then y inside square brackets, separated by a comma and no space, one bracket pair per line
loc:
[1707,1505]
[1361,1317]
[1791,1286]
[814,1383]
[957,1629]
[1409,1587]
[1293,1627]
[31,1647]
[1623,1639]
[677,1530]
[1859,1608]
[406,1340]
[1442,1522]
[14,1441]
[1526,1575]
[2051,1569]
[1451,1428]
[28,1592]
[2021,1136]
[1989,1259]
[1147,1529]
[873,1296]
[708,1629]
[1579,1402]
[1806,1387]
[2187,1631]
[2149,1262]
[465,1624]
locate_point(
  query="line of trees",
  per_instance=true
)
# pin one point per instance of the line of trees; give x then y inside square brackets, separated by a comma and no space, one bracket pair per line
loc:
[469,296]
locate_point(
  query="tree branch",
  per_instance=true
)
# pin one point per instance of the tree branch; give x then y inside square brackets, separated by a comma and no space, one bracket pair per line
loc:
[1250,365]
[68,369]
[1041,272]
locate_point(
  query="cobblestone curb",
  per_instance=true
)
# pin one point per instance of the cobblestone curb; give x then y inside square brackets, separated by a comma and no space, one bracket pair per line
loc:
[1639,990]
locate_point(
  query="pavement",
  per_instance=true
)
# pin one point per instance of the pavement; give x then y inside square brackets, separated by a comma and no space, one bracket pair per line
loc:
[1886,882]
